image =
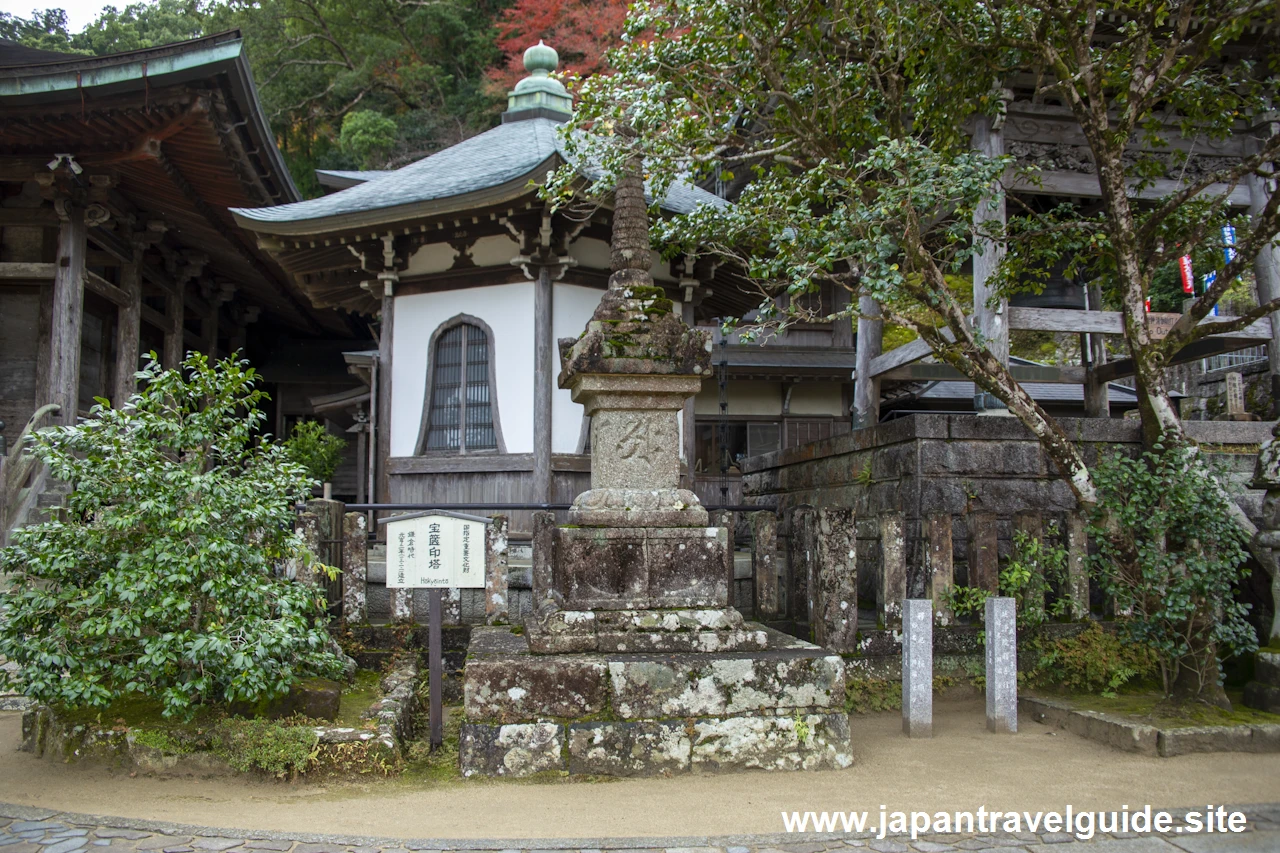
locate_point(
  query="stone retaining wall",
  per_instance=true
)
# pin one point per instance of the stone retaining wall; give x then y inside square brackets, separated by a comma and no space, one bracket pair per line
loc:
[962,465]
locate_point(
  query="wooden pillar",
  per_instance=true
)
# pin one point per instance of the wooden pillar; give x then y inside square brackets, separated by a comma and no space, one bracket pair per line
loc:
[1097,402]
[384,391]
[67,315]
[543,388]
[128,318]
[175,309]
[1266,266]
[842,331]
[866,389]
[990,314]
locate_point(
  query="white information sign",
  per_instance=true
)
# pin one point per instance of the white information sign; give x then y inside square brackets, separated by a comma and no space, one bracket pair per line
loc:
[440,551]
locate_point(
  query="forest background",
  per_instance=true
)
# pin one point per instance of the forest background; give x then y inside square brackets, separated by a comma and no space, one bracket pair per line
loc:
[358,84]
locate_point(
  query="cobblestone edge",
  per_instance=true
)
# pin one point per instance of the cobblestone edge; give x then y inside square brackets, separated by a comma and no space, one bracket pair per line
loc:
[1268,813]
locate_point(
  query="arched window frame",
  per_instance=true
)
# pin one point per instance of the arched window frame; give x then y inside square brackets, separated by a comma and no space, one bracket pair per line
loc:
[425,424]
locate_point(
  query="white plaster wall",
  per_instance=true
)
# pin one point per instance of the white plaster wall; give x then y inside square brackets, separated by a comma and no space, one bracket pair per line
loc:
[508,309]
[745,397]
[594,254]
[816,398]
[572,306]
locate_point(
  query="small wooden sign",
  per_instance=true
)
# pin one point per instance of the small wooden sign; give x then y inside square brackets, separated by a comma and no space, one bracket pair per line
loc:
[1161,323]
[435,550]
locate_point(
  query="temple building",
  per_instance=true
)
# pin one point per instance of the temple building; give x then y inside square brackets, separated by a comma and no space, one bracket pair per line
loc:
[116,175]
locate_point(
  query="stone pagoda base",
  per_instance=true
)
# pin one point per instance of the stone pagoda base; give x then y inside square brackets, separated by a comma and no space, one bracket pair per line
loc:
[608,713]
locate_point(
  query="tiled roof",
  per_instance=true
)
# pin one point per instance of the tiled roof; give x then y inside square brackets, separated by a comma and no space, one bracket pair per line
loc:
[508,153]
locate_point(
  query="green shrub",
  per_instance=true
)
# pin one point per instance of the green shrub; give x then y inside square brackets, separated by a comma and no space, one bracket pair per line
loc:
[266,745]
[311,446]
[1093,661]
[159,579]
[1036,567]
[1170,555]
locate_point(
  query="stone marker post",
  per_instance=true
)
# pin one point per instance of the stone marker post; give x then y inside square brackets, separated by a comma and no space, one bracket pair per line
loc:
[355,564]
[917,667]
[1235,395]
[1002,664]
[543,557]
[801,555]
[764,569]
[984,556]
[836,625]
[891,589]
[941,565]
[727,519]
[495,575]
[1077,573]
[307,524]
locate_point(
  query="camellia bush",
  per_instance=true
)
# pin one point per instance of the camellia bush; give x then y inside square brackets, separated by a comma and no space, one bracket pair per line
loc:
[318,452]
[1170,557]
[159,578]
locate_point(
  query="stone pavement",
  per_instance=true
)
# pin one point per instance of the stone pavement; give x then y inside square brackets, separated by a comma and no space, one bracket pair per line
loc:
[24,829]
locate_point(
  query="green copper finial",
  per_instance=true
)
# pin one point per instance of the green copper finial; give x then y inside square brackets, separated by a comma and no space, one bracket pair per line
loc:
[541,57]
[539,95]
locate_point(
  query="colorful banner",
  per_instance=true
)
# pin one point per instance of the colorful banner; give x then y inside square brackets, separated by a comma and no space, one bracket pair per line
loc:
[1188,275]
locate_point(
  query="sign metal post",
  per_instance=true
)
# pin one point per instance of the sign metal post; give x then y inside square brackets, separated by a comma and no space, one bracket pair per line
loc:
[436,550]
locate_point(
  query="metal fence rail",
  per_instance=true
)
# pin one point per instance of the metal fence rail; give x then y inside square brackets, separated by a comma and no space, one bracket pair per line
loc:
[1235,360]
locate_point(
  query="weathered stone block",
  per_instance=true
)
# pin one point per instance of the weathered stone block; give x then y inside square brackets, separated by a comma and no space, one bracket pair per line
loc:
[764,548]
[629,749]
[1266,668]
[637,568]
[801,742]
[672,630]
[520,749]
[892,588]
[509,689]
[1264,697]
[733,683]
[1185,741]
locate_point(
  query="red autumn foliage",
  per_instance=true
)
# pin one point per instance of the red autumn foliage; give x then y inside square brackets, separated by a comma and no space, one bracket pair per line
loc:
[580,31]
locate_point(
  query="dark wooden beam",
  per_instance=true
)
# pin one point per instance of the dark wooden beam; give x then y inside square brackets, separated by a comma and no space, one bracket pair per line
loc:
[235,239]
[17,270]
[95,283]
[128,330]
[68,316]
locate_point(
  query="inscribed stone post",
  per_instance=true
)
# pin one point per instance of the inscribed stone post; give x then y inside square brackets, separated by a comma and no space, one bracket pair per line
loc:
[917,667]
[836,625]
[800,561]
[891,589]
[1077,574]
[355,562]
[764,548]
[495,577]
[307,524]
[1002,664]
[941,565]
[1029,523]
[727,519]
[984,565]
[543,557]
[1235,395]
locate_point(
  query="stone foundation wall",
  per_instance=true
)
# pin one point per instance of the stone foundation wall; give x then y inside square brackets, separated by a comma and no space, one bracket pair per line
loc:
[961,465]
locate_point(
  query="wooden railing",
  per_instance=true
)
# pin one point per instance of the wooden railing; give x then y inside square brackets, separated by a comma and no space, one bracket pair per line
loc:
[22,476]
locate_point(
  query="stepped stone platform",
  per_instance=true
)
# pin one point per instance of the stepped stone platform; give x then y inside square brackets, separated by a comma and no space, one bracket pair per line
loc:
[652,713]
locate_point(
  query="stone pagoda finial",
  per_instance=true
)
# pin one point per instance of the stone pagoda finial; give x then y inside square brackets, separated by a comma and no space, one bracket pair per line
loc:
[539,95]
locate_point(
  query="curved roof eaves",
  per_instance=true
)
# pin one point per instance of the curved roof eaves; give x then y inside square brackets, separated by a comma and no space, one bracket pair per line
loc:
[492,159]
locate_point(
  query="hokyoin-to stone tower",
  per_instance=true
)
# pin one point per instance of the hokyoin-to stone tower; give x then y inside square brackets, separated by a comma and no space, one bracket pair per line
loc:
[634,663]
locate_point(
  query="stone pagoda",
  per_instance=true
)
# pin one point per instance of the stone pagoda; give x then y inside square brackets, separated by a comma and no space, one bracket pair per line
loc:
[634,663]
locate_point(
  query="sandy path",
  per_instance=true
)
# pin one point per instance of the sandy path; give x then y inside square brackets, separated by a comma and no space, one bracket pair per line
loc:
[963,767]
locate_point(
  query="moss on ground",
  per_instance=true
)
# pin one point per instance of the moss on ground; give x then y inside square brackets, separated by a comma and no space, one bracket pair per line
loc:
[357,698]
[1150,706]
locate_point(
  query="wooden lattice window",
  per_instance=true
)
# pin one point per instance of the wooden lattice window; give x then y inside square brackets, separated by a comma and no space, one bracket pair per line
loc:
[461,409]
